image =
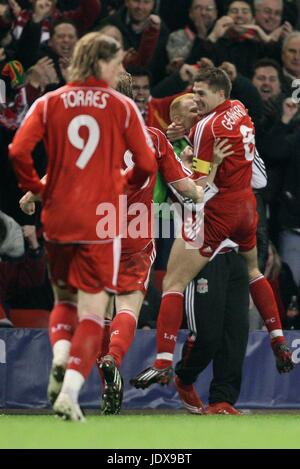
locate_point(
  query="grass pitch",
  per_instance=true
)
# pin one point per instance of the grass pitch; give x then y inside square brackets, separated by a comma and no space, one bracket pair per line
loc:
[155,431]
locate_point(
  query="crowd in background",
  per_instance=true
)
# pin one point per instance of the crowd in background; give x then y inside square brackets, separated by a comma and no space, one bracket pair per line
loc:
[166,41]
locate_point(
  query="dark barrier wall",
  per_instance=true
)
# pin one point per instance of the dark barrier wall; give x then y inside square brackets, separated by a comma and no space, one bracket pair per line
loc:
[25,359]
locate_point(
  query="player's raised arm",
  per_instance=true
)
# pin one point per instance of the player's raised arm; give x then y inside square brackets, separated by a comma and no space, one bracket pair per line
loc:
[20,150]
[173,170]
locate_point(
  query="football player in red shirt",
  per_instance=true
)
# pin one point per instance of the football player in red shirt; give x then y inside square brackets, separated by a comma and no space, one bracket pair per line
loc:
[231,213]
[87,127]
[137,256]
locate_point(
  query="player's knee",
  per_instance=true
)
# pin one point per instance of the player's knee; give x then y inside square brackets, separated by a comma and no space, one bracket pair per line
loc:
[170,284]
[254,273]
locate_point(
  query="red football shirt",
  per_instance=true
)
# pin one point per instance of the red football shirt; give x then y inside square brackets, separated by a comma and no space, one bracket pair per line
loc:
[140,211]
[86,129]
[229,120]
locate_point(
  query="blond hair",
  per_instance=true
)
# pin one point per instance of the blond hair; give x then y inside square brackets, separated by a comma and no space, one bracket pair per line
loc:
[124,85]
[175,106]
[88,51]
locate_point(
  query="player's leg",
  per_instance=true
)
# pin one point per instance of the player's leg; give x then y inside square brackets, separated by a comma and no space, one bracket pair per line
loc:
[264,300]
[83,352]
[184,264]
[63,318]
[92,270]
[134,274]
[124,324]
[62,325]
[123,329]
[104,346]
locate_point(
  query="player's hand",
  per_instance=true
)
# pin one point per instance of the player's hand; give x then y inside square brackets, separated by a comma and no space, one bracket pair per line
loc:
[221,150]
[175,132]
[186,157]
[27,203]
[200,195]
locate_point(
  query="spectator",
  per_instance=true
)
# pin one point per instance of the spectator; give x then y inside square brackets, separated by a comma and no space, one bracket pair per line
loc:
[291,56]
[147,46]
[135,21]
[11,237]
[59,49]
[155,111]
[18,272]
[268,15]
[202,16]
[44,13]
[289,209]
[235,39]
[267,78]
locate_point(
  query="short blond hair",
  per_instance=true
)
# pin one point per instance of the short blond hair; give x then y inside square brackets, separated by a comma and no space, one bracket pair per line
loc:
[91,48]
[176,104]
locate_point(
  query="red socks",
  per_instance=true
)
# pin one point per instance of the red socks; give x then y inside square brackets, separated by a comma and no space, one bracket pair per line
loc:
[123,329]
[63,322]
[168,325]
[85,344]
[264,300]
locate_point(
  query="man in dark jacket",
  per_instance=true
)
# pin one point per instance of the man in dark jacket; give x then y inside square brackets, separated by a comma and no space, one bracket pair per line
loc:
[132,20]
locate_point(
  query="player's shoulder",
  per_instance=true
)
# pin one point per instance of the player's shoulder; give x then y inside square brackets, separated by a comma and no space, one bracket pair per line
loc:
[156,132]
[56,93]
[121,98]
[204,126]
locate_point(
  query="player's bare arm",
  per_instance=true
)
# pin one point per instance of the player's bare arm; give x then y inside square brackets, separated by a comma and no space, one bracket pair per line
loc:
[188,188]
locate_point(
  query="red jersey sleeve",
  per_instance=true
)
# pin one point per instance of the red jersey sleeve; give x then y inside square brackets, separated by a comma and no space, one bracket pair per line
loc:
[169,165]
[29,134]
[203,138]
[140,144]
